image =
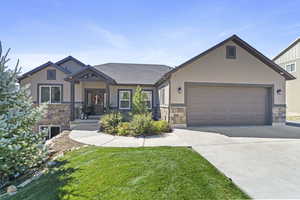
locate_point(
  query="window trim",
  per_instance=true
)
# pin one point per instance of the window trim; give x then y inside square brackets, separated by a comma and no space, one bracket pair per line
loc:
[48,78]
[39,86]
[149,90]
[49,129]
[285,67]
[227,52]
[130,98]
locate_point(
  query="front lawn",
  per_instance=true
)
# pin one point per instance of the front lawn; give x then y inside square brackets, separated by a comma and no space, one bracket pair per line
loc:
[132,173]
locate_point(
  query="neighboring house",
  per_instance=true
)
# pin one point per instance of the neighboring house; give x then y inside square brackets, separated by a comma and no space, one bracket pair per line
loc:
[289,59]
[229,84]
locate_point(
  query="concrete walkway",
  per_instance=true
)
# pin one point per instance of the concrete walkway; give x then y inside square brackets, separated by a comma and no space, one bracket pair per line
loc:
[106,140]
[262,161]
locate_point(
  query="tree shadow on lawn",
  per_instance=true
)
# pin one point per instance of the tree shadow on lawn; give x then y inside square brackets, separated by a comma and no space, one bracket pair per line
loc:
[55,184]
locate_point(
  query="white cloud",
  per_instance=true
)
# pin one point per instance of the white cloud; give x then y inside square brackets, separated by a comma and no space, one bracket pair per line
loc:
[116,40]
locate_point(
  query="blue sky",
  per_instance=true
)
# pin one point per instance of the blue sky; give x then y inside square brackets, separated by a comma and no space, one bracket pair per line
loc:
[141,31]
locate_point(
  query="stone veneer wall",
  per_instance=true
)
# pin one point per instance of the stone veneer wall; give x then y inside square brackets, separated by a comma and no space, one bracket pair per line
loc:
[164,113]
[178,115]
[58,114]
[279,114]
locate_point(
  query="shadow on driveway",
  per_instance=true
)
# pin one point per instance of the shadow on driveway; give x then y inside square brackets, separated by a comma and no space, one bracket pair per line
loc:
[280,131]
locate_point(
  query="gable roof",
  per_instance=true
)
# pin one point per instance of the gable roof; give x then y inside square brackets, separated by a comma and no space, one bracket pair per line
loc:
[43,66]
[286,49]
[92,69]
[128,73]
[66,59]
[245,46]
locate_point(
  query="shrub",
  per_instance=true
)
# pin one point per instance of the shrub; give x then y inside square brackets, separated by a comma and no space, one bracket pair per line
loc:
[139,105]
[142,124]
[109,123]
[124,129]
[126,116]
[161,126]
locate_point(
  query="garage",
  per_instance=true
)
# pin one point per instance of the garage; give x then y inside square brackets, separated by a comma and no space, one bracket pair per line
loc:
[228,105]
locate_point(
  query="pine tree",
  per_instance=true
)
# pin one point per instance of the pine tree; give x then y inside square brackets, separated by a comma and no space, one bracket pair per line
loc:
[139,105]
[21,148]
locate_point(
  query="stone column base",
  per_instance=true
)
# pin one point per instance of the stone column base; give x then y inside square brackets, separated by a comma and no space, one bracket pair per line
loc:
[178,116]
[279,115]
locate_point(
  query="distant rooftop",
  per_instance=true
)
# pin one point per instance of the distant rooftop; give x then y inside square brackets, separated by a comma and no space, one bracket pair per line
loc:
[286,49]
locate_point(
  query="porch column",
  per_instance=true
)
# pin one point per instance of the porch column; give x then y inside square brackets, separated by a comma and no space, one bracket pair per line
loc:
[107,97]
[72,100]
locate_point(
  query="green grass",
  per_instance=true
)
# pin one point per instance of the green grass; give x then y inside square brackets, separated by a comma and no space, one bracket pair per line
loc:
[132,173]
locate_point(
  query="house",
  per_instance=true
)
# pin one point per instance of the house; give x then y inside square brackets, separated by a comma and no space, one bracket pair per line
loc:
[289,59]
[229,84]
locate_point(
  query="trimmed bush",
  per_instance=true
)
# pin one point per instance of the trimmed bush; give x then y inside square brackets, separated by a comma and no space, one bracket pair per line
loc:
[142,124]
[161,126]
[125,129]
[109,123]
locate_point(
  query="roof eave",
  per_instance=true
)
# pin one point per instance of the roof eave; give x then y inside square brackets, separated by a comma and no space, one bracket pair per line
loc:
[68,58]
[41,67]
[247,47]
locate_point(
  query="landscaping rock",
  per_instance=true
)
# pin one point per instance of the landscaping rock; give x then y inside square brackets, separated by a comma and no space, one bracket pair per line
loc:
[51,163]
[11,189]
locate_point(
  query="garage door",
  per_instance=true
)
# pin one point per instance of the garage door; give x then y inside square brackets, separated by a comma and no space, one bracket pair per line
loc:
[227,105]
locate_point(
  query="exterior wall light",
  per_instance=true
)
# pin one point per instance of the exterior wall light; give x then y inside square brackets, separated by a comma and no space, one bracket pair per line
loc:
[179,90]
[279,92]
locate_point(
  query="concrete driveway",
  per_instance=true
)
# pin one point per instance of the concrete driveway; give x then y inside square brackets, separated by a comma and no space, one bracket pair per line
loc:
[264,161]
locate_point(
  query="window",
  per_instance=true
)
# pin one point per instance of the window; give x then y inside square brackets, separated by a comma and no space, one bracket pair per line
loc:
[50,94]
[51,131]
[231,52]
[51,74]
[290,67]
[162,96]
[148,98]
[125,99]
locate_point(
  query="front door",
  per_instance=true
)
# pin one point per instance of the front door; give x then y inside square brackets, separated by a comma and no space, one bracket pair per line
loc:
[94,101]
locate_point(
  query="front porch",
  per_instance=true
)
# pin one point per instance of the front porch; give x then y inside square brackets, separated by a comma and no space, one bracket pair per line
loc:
[89,94]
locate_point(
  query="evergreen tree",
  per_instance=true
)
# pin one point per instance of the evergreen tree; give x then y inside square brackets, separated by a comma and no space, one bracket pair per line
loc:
[21,148]
[139,105]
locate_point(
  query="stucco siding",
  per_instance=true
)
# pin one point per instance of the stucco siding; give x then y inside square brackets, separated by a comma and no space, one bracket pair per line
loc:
[215,68]
[40,77]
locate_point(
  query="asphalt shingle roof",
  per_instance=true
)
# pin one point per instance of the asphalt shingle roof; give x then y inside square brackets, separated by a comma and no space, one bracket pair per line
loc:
[126,73]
